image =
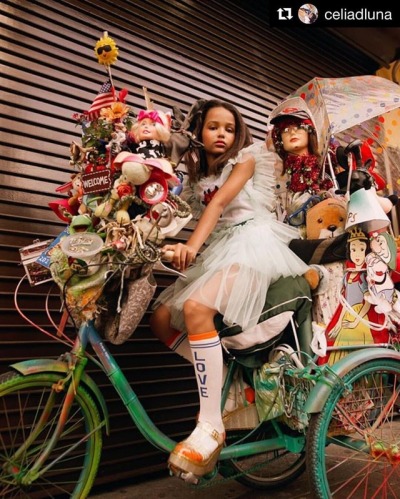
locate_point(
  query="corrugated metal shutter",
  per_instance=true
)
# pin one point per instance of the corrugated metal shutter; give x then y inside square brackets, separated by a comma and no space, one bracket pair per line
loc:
[180,50]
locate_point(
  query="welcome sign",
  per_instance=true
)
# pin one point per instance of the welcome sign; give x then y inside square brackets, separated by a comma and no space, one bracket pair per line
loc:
[96,181]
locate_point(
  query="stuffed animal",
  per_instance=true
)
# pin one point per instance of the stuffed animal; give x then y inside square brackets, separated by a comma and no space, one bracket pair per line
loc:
[326,219]
[324,235]
[324,248]
[313,277]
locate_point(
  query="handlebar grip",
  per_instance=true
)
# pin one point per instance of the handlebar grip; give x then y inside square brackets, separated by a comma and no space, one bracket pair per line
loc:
[167,256]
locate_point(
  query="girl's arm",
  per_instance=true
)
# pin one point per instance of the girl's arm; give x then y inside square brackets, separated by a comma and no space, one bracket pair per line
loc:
[185,254]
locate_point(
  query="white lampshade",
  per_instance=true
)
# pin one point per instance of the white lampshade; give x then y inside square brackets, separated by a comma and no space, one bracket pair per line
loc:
[365,211]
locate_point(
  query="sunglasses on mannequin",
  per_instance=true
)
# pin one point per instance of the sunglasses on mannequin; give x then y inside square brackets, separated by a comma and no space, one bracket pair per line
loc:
[293,128]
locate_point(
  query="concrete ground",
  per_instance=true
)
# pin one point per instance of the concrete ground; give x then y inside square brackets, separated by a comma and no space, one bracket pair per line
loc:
[166,487]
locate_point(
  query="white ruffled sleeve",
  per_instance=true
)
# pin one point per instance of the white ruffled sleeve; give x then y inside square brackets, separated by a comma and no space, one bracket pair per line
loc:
[267,163]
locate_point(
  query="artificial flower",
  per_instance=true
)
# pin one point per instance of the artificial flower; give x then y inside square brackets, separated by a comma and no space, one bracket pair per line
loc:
[124,190]
[305,174]
[117,111]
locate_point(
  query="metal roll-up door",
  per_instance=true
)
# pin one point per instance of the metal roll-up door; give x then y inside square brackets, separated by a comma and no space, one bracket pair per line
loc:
[180,50]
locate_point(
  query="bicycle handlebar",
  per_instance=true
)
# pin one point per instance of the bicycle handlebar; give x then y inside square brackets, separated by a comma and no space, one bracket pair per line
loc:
[167,256]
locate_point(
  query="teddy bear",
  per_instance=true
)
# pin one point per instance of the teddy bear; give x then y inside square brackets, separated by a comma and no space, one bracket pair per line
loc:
[324,249]
[326,221]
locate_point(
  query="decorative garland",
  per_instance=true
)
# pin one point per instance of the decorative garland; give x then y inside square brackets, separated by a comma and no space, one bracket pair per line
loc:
[305,174]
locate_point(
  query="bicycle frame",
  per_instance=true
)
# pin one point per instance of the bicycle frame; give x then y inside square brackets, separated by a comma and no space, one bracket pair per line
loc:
[140,417]
[73,364]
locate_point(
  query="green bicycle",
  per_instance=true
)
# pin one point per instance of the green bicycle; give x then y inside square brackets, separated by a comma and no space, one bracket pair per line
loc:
[340,420]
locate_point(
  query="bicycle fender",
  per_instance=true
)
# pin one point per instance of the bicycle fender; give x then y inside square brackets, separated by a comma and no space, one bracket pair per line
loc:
[321,391]
[35,366]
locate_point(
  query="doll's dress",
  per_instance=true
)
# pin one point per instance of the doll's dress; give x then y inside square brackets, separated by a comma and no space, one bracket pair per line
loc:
[247,251]
[354,288]
[150,149]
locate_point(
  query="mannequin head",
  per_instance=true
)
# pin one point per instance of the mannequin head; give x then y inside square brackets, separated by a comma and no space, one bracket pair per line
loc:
[295,140]
[294,133]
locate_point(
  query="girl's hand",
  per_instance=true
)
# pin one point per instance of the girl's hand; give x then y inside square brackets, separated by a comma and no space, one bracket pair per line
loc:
[184,255]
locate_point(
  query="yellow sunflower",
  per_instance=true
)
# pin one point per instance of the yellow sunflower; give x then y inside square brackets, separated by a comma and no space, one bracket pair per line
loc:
[106,51]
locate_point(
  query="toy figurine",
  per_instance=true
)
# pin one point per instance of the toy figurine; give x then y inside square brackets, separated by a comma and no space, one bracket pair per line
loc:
[150,131]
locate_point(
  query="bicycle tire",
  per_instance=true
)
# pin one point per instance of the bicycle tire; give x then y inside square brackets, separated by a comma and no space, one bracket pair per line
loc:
[269,470]
[353,444]
[22,399]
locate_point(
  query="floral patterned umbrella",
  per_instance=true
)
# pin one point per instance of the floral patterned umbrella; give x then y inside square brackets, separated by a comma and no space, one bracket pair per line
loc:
[365,107]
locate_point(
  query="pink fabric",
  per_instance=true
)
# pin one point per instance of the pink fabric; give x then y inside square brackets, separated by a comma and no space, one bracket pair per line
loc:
[152,115]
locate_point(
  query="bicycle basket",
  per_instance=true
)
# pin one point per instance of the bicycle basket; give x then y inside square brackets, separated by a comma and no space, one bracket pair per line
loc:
[296,392]
[124,304]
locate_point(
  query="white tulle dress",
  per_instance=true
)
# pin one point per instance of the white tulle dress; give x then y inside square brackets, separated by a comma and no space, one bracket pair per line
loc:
[247,251]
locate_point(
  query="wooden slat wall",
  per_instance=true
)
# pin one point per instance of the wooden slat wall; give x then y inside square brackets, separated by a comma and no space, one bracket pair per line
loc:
[180,50]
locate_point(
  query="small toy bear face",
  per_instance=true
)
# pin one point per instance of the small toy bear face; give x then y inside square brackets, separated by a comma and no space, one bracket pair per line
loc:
[326,219]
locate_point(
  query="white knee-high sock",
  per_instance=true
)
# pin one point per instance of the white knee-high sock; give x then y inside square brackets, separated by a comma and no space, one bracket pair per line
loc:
[179,343]
[208,365]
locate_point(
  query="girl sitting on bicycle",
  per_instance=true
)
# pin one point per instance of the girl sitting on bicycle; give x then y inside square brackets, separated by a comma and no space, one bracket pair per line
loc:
[231,183]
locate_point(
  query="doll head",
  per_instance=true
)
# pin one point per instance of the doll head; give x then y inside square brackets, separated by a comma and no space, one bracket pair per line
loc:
[294,133]
[196,166]
[357,246]
[152,125]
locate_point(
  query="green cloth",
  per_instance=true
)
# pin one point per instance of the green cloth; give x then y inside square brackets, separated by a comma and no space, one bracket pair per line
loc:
[286,294]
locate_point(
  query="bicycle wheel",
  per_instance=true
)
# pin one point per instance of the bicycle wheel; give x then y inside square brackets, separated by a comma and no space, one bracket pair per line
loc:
[353,445]
[71,468]
[275,468]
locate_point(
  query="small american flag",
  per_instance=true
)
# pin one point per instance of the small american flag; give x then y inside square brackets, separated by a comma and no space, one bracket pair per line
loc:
[104,98]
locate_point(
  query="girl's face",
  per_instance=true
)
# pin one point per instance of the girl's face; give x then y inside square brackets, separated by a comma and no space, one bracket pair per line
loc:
[218,133]
[357,251]
[295,140]
[147,130]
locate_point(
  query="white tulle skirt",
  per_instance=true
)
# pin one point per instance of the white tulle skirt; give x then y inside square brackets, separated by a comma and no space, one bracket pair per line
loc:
[234,272]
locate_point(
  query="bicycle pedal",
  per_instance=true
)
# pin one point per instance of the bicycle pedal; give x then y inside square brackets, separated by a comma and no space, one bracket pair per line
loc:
[186,476]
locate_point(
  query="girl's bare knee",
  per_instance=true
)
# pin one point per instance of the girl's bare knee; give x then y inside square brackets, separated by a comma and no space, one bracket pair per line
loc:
[198,317]
[192,309]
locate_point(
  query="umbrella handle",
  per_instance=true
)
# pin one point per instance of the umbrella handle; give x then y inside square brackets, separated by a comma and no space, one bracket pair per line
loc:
[350,162]
[332,172]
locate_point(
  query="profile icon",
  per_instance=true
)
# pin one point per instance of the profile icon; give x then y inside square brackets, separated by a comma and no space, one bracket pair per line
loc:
[308,13]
